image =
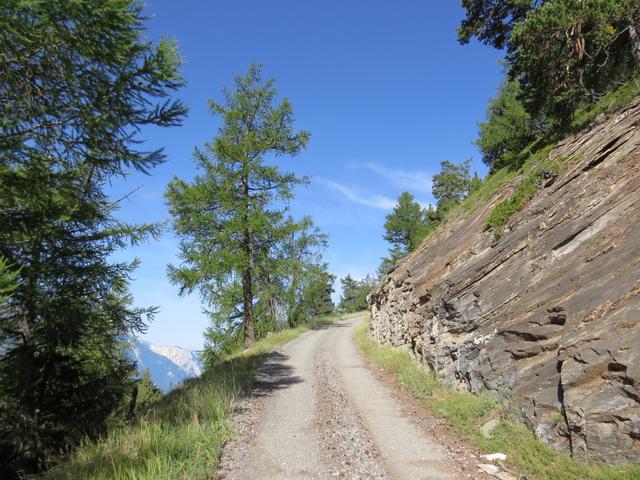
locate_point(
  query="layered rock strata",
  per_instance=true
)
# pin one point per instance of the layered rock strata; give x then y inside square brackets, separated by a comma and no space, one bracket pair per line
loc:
[548,316]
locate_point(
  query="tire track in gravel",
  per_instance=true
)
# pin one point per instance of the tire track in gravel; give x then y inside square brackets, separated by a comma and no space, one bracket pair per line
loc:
[347,445]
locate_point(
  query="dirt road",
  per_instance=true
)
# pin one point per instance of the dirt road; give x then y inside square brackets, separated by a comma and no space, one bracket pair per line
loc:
[320,413]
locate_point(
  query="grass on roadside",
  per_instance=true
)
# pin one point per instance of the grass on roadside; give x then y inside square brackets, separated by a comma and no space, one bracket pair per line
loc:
[466,413]
[182,436]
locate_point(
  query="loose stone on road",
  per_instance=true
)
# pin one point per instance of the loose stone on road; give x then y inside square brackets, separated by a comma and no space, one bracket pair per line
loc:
[319,413]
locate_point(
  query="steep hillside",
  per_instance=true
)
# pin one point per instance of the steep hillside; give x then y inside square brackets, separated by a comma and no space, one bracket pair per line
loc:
[548,314]
[168,366]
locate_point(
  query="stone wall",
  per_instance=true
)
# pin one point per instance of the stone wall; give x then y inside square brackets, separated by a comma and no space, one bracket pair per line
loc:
[548,316]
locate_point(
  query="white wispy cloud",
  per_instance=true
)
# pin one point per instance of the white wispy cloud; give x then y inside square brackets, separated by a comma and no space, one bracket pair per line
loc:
[375,201]
[413,181]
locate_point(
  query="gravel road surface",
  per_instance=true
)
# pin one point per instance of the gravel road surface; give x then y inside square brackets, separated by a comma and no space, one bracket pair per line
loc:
[319,412]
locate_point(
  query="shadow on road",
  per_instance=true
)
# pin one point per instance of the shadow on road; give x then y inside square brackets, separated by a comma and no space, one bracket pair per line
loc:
[274,375]
[326,326]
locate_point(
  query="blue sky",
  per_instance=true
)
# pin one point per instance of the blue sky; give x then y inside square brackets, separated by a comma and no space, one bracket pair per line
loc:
[384,88]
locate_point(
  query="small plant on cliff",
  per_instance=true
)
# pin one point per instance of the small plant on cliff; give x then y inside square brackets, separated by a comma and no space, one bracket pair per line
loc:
[503,211]
[533,173]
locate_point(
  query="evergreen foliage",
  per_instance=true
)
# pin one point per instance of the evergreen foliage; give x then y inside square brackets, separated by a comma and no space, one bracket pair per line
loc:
[78,80]
[492,21]
[354,293]
[8,282]
[451,185]
[252,263]
[405,228]
[388,263]
[406,225]
[507,130]
[568,54]
[409,224]
[565,53]
[145,394]
[475,184]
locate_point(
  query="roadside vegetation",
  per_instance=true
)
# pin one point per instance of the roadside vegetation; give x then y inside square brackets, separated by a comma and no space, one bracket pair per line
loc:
[354,293]
[80,85]
[466,413]
[182,434]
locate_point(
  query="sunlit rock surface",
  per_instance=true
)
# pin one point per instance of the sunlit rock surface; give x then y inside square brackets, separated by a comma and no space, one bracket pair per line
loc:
[547,317]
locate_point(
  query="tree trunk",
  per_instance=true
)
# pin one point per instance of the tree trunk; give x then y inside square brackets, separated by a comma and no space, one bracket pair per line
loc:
[247,280]
[635,39]
[247,294]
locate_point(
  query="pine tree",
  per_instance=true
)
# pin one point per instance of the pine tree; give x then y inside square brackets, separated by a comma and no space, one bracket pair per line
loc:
[324,304]
[451,185]
[145,394]
[564,53]
[8,282]
[318,293]
[475,184]
[78,81]
[388,263]
[349,299]
[406,225]
[507,130]
[233,215]
[355,292]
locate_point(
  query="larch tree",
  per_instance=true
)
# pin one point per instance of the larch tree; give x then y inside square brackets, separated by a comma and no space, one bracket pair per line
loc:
[78,81]
[233,217]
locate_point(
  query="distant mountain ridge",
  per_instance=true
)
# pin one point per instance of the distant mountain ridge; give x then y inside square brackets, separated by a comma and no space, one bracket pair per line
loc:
[169,366]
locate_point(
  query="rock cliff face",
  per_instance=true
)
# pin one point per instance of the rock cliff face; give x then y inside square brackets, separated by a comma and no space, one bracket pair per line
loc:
[548,316]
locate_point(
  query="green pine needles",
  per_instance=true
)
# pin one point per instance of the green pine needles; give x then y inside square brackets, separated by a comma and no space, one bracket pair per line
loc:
[254,266]
[77,82]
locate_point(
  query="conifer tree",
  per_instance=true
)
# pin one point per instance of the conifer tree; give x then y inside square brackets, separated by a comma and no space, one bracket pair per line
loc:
[475,184]
[8,282]
[564,53]
[388,263]
[508,128]
[451,184]
[144,395]
[406,225]
[232,217]
[78,81]
[354,293]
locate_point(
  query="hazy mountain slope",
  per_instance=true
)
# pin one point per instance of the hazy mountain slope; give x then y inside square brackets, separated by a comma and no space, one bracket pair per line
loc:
[168,366]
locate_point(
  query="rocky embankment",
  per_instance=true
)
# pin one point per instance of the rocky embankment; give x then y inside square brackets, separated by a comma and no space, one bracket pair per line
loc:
[548,316]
